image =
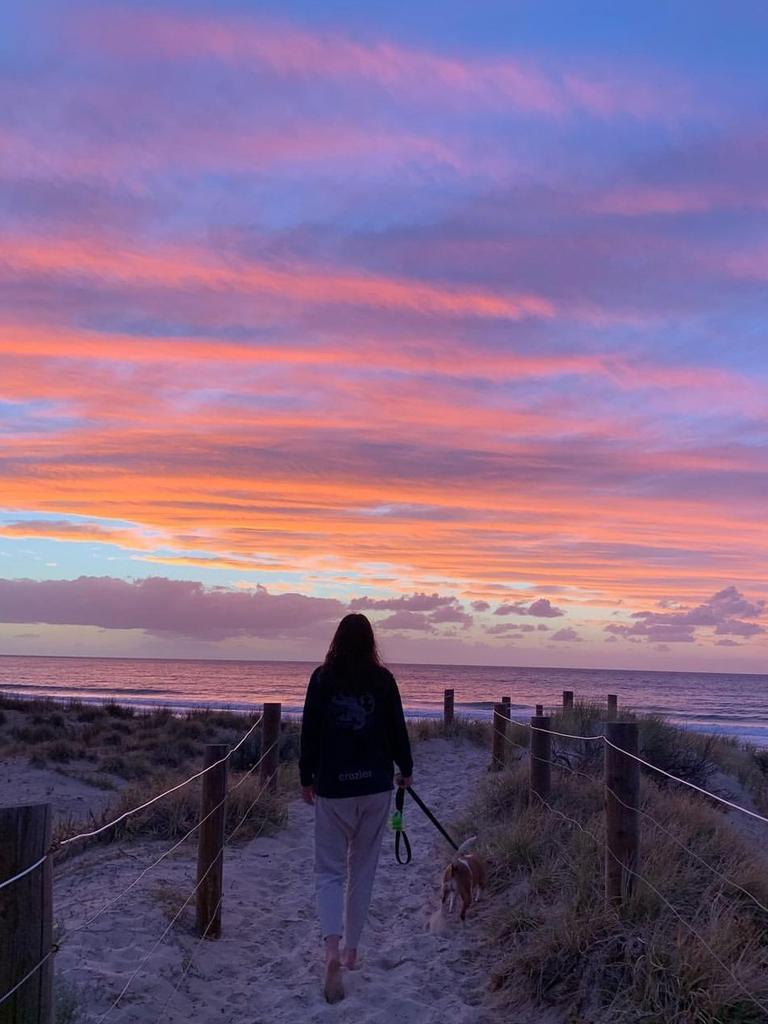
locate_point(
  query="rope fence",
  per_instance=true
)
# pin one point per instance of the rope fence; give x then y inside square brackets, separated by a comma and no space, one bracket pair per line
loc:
[36,1006]
[622,842]
[623,812]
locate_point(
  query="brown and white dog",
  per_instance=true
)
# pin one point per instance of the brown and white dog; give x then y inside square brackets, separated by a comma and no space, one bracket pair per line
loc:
[463,878]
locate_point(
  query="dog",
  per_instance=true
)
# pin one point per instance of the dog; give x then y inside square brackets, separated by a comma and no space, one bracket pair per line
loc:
[464,878]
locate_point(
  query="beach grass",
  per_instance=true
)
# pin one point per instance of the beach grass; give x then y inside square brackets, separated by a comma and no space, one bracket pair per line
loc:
[688,946]
[118,740]
[472,730]
[138,753]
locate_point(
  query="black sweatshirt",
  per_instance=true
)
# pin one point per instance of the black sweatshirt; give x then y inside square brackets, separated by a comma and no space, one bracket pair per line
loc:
[351,734]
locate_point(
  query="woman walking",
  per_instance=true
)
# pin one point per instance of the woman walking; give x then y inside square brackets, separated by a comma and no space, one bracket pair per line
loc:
[352,730]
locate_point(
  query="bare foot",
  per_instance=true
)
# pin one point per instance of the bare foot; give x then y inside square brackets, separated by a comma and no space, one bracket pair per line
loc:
[333,988]
[349,959]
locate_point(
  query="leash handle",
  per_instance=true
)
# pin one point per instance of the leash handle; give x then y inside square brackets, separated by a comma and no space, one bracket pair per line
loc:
[397,825]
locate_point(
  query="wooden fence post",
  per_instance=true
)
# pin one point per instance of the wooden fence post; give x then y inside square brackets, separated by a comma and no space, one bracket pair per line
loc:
[507,702]
[210,843]
[448,707]
[567,701]
[613,707]
[270,738]
[539,710]
[26,915]
[540,759]
[498,757]
[622,818]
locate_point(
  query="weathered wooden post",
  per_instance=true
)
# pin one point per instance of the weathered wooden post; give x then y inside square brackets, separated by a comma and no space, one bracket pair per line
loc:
[507,702]
[622,818]
[498,757]
[567,701]
[270,744]
[613,707]
[26,915]
[539,710]
[210,842]
[448,696]
[541,757]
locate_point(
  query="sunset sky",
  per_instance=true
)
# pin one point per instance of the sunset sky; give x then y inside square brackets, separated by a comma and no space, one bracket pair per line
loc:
[454,313]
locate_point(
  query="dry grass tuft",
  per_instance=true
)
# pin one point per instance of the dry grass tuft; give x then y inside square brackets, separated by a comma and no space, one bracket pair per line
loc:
[176,814]
[145,753]
[560,945]
[119,741]
[469,729]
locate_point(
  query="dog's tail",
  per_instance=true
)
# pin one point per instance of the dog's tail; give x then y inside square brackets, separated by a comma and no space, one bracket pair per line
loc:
[467,845]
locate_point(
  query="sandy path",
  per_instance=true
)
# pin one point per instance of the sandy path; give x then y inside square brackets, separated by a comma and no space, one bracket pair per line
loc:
[266,969]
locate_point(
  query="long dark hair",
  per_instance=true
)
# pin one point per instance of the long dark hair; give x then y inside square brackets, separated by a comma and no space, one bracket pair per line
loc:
[353,650]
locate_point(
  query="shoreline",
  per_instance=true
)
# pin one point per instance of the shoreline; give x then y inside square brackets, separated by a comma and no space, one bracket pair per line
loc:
[591,669]
[480,710]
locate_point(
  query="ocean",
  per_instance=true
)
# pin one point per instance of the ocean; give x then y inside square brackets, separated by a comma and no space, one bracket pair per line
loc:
[711,702]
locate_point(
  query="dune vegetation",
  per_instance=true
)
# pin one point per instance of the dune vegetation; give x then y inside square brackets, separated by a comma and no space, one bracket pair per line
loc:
[689,946]
[140,753]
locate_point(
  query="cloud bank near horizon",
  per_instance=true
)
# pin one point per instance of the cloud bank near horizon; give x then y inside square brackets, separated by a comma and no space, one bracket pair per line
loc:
[173,609]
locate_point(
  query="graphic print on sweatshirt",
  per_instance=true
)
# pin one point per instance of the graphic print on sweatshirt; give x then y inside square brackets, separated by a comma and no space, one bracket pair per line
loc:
[352,711]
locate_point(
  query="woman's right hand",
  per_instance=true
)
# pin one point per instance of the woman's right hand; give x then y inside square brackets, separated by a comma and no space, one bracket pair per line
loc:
[403,781]
[308,794]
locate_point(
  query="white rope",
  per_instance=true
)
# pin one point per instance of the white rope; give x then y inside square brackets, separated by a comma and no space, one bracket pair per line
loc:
[646,814]
[565,817]
[688,850]
[553,732]
[181,909]
[27,976]
[554,764]
[648,764]
[691,785]
[667,903]
[514,743]
[26,871]
[171,849]
[173,789]
[692,930]
[186,970]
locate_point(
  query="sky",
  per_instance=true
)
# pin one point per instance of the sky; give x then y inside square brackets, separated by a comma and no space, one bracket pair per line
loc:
[454,314]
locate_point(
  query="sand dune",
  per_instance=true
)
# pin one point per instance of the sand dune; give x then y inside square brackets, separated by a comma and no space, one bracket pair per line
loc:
[73,799]
[266,966]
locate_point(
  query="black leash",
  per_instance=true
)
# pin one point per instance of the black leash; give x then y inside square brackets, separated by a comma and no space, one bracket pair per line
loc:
[397,824]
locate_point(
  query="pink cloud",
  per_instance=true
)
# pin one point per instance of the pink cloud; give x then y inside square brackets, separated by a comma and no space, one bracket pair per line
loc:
[646,200]
[722,613]
[415,611]
[567,635]
[163,606]
[411,602]
[415,621]
[416,75]
[506,628]
[542,609]
[452,613]
[184,267]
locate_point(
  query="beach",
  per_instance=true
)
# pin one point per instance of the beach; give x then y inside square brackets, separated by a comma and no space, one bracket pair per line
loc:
[124,909]
[267,964]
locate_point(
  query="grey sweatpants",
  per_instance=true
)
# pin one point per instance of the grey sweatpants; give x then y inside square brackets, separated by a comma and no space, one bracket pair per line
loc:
[348,835]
